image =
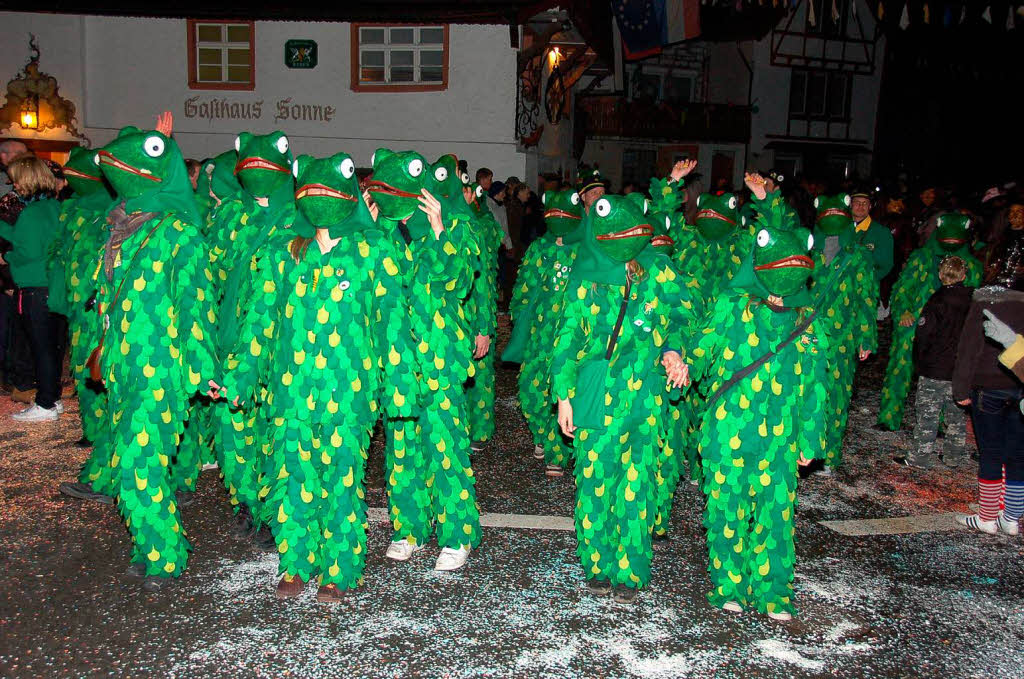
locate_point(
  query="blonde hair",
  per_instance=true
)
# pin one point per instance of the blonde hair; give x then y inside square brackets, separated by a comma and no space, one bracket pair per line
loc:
[952,270]
[31,175]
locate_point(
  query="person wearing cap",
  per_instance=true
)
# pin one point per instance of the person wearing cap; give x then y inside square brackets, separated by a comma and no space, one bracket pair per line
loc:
[872,235]
[590,186]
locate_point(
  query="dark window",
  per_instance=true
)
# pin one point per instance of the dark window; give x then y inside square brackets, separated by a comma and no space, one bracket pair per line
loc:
[221,55]
[819,95]
[639,165]
[397,58]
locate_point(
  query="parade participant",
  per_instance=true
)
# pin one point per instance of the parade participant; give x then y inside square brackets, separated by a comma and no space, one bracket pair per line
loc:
[85,226]
[768,383]
[620,323]
[155,293]
[590,186]
[993,394]
[216,183]
[918,280]
[874,236]
[846,291]
[429,475]
[330,301]
[536,311]
[243,230]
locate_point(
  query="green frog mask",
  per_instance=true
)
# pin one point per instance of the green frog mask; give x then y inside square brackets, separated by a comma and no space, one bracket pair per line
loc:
[615,231]
[563,213]
[717,216]
[264,162]
[780,259]
[834,215]
[444,183]
[328,196]
[397,180]
[83,172]
[951,231]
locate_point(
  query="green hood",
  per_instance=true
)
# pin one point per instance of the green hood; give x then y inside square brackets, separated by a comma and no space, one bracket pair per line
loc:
[615,231]
[777,263]
[328,196]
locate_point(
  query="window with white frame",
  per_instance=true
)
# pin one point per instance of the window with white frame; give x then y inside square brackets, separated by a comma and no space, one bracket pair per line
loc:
[399,57]
[221,55]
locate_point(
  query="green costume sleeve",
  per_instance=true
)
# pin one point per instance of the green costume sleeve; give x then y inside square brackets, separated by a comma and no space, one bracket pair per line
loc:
[879,240]
[814,397]
[480,315]
[867,307]
[194,283]
[706,345]
[571,335]
[395,353]
[526,282]
[247,364]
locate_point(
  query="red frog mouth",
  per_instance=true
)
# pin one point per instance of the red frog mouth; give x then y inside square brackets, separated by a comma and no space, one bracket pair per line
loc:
[833,212]
[953,241]
[81,175]
[561,214]
[253,163]
[321,191]
[377,186]
[708,213]
[794,261]
[638,231]
[661,241]
[107,158]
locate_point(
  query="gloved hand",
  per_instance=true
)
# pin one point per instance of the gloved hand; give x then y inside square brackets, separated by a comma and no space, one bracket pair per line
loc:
[997,330]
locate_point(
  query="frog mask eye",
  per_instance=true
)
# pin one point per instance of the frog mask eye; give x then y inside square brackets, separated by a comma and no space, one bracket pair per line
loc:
[348,168]
[763,237]
[295,168]
[153,146]
[415,167]
[574,198]
[441,174]
[733,203]
[282,144]
[846,200]
[603,208]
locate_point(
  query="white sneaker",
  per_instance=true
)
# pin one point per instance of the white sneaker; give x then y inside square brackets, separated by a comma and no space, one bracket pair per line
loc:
[1007,526]
[59,405]
[974,521]
[402,550]
[781,616]
[451,559]
[538,452]
[35,413]
[732,607]
[210,465]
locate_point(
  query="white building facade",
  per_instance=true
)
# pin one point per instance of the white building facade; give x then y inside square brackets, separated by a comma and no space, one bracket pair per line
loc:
[433,88]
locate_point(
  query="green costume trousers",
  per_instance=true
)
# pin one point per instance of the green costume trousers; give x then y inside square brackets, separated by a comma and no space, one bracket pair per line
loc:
[899,373]
[480,397]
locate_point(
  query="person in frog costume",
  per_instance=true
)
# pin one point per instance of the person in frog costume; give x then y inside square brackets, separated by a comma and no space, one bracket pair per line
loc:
[616,453]
[325,342]
[156,305]
[217,182]
[536,312]
[918,280]
[762,418]
[708,255]
[481,388]
[243,231]
[846,290]
[84,231]
[429,475]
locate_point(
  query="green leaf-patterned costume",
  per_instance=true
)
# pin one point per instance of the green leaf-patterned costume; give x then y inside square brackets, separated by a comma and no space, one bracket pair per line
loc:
[243,229]
[916,284]
[538,304]
[325,340]
[430,479]
[616,467]
[846,292]
[84,226]
[156,292]
[216,183]
[708,255]
[753,433]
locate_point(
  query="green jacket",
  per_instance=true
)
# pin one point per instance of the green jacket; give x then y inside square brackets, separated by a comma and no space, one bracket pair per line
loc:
[30,237]
[877,239]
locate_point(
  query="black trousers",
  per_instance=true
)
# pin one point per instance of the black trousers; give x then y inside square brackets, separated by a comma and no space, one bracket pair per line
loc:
[46,332]
[15,353]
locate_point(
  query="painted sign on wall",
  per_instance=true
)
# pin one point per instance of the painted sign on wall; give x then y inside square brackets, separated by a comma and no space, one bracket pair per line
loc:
[300,54]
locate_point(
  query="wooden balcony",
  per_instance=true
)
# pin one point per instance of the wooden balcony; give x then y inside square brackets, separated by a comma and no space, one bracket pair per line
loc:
[614,116]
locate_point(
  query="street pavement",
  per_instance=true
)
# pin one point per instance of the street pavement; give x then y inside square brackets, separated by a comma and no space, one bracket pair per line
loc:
[877,597]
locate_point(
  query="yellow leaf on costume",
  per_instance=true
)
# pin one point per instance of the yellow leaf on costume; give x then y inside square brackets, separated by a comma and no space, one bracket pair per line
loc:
[153,555]
[306,496]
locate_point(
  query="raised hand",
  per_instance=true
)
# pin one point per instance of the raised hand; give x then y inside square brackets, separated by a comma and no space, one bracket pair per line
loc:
[755,182]
[997,330]
[432,208]
[681,169]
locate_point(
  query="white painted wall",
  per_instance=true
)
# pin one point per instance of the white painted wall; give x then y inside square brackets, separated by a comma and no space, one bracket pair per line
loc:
[124,71]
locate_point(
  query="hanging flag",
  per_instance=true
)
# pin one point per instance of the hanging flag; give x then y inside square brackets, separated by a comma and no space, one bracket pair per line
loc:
[835,12]
[947,16]
[927,14]
[1010,20]
[904,18]
[987,14]
[881,11]
[963,14]
[682,20]
[647,25]
[811,19]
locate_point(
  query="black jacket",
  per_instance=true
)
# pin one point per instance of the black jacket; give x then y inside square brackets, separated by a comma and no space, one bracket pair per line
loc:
[977,364]
[938,331]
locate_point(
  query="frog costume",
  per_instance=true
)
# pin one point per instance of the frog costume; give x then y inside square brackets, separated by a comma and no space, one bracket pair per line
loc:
[429,475]
[244,230]
[536,310]
[216,183]
[616,464]
[708,255]
[156,299]
[754,430]
[84,231]
[916,284]
[324,343]
[846,290]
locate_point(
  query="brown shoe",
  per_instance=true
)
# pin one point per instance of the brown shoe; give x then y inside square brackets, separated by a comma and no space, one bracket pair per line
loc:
[27,396]
[290,586]
[329,594]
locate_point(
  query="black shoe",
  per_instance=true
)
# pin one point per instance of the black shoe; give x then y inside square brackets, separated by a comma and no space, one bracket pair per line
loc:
[83,443]
[264,541]
[661,537]
[186,497]
[878,426]
[242,526]
[136,570]
[624,595]
[154,583]
[599,587]
[476,446]
[84,492]
[905,461]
